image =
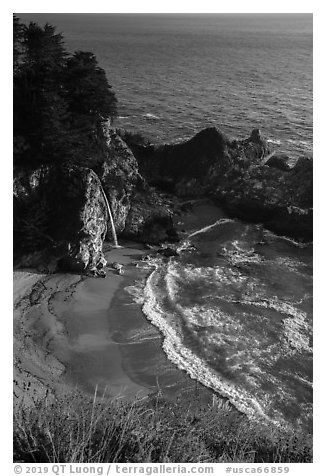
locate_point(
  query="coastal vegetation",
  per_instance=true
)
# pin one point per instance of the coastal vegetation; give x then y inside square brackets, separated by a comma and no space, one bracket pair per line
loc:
[62,102]
[79,429]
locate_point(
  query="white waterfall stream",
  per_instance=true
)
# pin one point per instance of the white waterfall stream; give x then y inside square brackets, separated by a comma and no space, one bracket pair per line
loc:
[114,233]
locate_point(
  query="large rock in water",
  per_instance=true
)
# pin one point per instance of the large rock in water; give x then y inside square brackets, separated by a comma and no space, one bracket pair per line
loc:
[61,211]
[194,164]
[238,174]
[150,219]
[279,161]
[139,212]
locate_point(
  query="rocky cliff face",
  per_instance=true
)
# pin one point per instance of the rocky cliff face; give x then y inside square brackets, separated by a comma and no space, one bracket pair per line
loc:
[62,212]
[239,174]
[190,167]
[151,218]
[139,212]
[119,176]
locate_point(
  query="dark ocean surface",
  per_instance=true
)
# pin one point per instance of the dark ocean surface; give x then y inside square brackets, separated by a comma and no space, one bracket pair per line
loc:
[176,74]
[235,310]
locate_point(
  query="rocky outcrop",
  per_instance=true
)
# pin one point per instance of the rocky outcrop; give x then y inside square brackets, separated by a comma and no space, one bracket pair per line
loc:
[119,176]
[279,161]
[151,218]
[139,212]
[272,197]
[181,165]
[242,175]
[192,165]
[61,211]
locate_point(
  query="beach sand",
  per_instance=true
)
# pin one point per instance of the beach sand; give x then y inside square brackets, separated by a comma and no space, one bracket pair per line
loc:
[73,331]
[62,335]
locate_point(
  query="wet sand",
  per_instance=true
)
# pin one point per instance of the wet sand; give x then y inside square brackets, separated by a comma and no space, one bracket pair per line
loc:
[73,331]
[62,336]
[111,346]
[93,359]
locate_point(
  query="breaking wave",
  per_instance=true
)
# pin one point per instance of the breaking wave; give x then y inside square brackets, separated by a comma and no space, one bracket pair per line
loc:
[236,319]
[149,115]
[274,141]
[185,358]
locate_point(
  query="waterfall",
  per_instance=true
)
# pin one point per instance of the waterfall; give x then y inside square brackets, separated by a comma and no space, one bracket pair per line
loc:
[265,159]
[114,233]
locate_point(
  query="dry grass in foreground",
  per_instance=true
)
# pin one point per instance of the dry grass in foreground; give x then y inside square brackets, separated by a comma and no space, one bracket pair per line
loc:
[77,429]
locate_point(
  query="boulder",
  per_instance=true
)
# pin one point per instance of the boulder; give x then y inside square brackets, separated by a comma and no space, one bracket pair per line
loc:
[150,219]
[281,200]
[168,252]
[279,161]
[61,210]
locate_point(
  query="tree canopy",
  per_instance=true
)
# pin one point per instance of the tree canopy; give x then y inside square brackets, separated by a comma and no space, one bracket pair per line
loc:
[62,102]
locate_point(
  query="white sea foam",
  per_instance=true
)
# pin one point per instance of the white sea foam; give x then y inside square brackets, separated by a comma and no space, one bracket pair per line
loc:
[140,336]
[136,291]
[305,381]
[290,263]
[270,234]
[208,274]
[296,332]
[149,115]
[238,255]
[296,329]
[221,221]
[274,141]
[304,143]
[223,345]
[185,358]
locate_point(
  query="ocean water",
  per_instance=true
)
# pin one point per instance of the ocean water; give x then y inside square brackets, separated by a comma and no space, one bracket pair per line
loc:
[235,308]
[235,312]
[176,74]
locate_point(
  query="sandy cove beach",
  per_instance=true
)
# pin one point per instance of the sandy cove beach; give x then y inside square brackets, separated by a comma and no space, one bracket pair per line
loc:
[73,331]
[62,335]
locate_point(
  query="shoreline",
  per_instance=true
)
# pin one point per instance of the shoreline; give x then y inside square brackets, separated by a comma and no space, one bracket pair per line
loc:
[95,335]
[89,333]
[94,360]
[59,320]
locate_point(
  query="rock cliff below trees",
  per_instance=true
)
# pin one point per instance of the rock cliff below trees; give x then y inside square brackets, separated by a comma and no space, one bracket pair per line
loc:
[139,212]
[61,211]
[61,214]
[244,176]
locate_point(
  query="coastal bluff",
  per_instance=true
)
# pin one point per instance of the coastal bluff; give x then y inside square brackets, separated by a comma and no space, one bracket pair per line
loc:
[61,217]
[246,177]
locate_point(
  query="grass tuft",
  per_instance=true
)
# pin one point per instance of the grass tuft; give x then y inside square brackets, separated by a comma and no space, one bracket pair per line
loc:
[78,429]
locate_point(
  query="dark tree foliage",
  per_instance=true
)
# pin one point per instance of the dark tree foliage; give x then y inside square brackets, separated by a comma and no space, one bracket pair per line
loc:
[91,103]
[61,102]
[18,35]
[39,109]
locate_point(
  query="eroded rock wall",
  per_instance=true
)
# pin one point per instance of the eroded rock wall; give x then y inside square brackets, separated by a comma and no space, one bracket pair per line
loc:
[241,175]
[62,211]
